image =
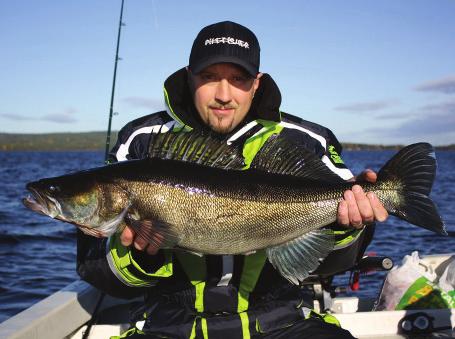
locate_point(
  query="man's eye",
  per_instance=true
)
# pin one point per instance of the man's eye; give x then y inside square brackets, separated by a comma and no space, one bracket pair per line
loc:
[208,77]
[239,79]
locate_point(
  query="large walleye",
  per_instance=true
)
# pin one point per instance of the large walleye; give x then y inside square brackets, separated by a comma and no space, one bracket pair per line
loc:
[192,194]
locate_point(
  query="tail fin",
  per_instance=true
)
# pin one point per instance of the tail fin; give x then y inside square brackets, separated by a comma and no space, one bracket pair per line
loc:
[414,168]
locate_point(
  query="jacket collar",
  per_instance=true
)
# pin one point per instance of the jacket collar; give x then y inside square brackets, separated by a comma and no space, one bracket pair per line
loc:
[265,105]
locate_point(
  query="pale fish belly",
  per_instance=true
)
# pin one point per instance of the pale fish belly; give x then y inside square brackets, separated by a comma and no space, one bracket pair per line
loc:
[211,224]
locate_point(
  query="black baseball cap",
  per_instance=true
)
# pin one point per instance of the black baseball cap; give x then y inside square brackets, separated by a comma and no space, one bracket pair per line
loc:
[225,41]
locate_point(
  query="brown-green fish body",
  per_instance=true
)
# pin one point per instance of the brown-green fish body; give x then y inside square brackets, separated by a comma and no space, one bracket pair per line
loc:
[192,194]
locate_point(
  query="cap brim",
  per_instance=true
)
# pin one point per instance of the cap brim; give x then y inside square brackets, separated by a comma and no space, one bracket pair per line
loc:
[220,59]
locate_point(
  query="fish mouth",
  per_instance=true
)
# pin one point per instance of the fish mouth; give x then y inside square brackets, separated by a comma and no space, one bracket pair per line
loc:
[43,204]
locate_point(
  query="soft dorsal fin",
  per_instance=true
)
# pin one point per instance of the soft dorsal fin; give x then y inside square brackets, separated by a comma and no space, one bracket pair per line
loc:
[200,147]
[282,156]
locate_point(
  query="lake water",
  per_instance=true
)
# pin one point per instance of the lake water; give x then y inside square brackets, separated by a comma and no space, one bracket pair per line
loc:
[38,254]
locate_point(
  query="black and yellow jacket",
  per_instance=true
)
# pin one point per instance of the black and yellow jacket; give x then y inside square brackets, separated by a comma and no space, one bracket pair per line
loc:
[213,296]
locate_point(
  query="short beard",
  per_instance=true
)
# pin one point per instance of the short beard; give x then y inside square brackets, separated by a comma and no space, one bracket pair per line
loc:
[218,128]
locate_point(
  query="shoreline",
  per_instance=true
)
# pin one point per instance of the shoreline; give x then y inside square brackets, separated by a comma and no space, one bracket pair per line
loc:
[96,141]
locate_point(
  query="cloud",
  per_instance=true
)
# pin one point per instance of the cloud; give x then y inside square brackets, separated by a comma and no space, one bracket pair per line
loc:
[59,118]
[141,102]
[394,116]
[434,124]
[443,107]
[65,117]
[438,129]
[364,107]
[445,85]
[16,117]
[428,120]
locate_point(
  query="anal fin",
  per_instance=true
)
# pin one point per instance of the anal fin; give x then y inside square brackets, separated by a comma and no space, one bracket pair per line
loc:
[297,258]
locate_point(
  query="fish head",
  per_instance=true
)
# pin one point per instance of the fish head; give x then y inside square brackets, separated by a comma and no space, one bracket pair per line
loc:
[95,204]
[64,198]
[92,200]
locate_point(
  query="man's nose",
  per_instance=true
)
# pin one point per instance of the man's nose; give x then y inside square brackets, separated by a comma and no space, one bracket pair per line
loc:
[223,91]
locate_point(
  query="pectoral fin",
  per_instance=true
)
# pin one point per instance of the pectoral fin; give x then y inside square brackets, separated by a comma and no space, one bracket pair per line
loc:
[297,258]
[157,233]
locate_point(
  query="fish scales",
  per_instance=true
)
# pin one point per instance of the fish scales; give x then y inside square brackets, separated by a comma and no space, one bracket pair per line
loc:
[243,215]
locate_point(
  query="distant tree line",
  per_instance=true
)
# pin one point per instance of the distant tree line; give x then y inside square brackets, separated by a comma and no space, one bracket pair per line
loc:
[89,141]
[96,141]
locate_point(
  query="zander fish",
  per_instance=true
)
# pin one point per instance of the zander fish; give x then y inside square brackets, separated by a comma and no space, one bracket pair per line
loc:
[192,193]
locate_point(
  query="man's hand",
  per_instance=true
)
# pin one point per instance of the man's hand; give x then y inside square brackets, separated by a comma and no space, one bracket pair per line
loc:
[358,208]
[129,237]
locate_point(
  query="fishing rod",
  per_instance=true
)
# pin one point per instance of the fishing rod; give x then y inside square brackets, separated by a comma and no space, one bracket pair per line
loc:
[111,109]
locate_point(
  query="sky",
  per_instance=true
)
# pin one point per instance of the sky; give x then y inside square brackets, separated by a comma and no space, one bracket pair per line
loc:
[379,72]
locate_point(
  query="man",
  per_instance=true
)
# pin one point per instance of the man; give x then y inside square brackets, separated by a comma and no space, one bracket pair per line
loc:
[188,296]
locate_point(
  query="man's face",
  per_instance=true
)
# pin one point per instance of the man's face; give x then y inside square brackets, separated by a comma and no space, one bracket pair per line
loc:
[223,94]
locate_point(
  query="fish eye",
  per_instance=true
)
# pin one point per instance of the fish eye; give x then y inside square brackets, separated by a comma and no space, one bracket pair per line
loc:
[53,188]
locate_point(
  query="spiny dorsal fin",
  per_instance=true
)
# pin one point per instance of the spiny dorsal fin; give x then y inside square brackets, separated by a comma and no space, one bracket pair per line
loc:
[281,156]
[203,148]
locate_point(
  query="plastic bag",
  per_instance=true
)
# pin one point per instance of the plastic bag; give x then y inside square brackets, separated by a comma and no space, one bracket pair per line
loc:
[447,279]
[414,285]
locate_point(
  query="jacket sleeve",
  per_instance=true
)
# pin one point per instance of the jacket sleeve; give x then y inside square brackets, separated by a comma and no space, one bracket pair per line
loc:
[133,139]
[317,139]
[333,154]
[93,267]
